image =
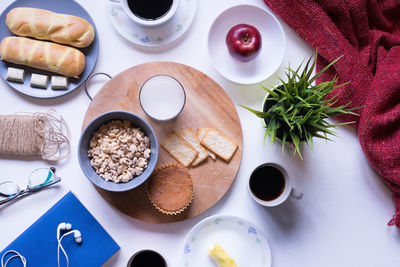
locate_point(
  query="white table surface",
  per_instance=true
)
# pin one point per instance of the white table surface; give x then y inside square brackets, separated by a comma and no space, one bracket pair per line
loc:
[340,221]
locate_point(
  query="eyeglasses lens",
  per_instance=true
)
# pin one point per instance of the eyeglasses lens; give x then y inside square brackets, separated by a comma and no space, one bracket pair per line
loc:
[8,189]
[40,177]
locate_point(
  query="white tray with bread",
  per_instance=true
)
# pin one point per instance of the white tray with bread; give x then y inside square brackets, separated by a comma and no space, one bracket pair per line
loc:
[48,48]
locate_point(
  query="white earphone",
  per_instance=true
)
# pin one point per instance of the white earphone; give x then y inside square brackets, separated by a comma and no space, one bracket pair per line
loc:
[63,227]
[16,255]
[77,236]
[67,227]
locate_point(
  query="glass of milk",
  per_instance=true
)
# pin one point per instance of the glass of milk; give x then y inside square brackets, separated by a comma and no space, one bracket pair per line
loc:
[162,97]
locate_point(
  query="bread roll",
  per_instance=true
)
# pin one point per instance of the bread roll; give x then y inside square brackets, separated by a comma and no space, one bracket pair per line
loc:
[43,55]
[46,25]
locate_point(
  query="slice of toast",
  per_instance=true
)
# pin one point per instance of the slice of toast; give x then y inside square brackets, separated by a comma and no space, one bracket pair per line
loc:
[218,143]
[200,133]
[190,136]
[179,148]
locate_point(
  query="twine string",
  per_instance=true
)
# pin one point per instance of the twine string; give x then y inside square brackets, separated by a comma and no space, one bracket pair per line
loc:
[46,134]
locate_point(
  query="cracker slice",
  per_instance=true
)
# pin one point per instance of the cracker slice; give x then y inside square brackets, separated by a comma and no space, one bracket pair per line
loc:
[190,136]
[200,133]
[218,143]
[179,148]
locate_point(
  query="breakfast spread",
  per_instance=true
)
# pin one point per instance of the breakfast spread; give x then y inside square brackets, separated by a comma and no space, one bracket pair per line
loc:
[46,25]
[43,55]
[118,151]
[15,75]
[220,257]
[39,81]
[170,189]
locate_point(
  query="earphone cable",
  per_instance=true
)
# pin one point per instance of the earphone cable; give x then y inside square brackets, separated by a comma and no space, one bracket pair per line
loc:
[62,248]
[18,255]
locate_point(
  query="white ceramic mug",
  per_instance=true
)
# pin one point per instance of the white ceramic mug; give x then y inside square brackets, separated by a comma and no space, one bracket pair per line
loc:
[131,260]
[149,22]
[288,189]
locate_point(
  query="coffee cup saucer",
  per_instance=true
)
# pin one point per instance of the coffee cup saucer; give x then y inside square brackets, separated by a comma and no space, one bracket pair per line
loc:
[153,36]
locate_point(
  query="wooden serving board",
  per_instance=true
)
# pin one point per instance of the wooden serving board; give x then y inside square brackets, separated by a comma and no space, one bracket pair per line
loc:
[207,105]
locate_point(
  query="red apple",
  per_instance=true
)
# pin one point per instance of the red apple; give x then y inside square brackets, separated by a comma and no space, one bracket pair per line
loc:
[244,42]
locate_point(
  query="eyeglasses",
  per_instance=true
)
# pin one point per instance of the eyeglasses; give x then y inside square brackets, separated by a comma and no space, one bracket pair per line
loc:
[38,179]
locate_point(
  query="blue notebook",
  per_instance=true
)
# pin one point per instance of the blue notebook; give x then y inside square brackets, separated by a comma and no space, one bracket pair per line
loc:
[38,244]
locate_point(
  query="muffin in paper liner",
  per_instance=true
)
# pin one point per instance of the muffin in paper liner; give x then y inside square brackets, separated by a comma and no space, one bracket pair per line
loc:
[170,189]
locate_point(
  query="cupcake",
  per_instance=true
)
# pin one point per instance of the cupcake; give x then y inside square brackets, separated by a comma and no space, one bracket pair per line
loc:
[170,189]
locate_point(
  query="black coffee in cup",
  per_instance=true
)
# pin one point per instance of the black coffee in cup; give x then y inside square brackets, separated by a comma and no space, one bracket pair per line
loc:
[267,182]
[147,258]
[149,9]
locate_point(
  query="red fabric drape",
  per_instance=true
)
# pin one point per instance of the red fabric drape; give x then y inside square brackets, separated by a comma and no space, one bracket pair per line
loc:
[367,34]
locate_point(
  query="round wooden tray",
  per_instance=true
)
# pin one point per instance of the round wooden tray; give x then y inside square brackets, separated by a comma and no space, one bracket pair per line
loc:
[207,105]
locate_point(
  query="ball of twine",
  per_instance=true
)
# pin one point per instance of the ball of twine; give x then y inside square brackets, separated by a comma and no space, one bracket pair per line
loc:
[44,134]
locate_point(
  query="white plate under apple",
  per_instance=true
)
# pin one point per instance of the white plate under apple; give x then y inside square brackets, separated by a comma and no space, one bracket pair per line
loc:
[272,50]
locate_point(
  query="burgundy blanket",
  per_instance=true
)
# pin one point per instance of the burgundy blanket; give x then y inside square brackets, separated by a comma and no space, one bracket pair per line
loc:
[367,34]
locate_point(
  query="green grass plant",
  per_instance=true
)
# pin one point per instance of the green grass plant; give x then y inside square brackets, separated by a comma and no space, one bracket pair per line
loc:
[297,109]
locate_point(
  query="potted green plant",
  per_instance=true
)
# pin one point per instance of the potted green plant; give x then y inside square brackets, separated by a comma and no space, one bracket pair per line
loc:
[296,110]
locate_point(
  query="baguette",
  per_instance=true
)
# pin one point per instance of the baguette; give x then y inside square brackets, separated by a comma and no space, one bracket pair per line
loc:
[46,25]
[43,55]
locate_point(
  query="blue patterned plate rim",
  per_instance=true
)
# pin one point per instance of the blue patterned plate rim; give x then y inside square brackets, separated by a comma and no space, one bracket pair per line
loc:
[219,219]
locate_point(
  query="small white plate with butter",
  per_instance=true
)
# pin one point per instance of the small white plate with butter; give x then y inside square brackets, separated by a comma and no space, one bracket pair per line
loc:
[240,239]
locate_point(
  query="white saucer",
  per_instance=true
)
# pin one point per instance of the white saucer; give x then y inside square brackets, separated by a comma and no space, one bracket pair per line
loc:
[153,36]
[239,238]
[272,50]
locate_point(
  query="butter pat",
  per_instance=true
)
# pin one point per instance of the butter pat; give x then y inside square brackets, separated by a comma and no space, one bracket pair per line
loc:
[220,257]
[15,75]
[59,82]
[39,81]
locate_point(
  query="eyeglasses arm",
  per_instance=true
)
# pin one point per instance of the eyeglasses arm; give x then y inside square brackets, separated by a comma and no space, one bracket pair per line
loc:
[30,190]
[38,188]
[17,195]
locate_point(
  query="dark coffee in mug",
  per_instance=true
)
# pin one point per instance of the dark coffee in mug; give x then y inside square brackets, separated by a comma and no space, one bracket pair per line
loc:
[147,258]
[267,182]
[149,9]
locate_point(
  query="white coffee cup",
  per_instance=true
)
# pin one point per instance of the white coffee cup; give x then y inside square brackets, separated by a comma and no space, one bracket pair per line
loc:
[146,254]
[149,22]
[287,191]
